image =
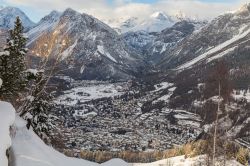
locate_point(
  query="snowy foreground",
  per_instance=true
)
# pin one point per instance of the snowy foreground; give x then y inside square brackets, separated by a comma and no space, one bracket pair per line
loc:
[29,150]
[7,117]
[181,161]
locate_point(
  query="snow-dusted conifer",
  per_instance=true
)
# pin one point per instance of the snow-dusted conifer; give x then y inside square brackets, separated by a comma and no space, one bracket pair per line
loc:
[12,63]
[39,105]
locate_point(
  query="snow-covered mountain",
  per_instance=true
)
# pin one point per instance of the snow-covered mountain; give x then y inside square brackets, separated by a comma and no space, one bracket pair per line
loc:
[154,45]
[227,34]
[8,16]
[97,50]
[168,38]
[139,40]
[156,22]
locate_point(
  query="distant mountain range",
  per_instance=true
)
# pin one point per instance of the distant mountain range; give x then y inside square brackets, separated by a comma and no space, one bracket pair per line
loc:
[99,52]
[156,22]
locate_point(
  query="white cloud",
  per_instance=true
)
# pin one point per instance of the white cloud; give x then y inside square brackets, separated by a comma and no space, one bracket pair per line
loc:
[127,8]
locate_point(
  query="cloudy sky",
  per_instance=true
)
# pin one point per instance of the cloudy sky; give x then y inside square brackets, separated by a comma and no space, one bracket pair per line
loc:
[106,9]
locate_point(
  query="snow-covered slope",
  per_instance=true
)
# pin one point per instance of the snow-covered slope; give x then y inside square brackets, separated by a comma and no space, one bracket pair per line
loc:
[7,118]
[243,32]
[8,16]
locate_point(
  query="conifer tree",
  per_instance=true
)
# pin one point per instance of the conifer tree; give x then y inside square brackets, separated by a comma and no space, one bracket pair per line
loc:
[39,105]
[12,63]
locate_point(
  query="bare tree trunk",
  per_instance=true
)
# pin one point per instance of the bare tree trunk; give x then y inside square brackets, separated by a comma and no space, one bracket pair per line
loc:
[216,126]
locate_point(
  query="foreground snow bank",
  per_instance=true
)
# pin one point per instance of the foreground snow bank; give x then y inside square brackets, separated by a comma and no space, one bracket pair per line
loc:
[182,161]
[7,118]
[30,150]
[116,162]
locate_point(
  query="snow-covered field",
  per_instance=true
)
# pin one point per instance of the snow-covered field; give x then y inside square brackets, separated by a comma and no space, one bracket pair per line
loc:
[90,91]
[162,86]
[241,94]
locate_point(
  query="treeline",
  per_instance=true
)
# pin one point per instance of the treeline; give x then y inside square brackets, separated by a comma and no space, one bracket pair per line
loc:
[228,151]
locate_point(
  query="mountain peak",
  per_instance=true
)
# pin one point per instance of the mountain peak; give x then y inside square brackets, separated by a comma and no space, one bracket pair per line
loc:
[180,15]
[70,11]
[12,10]
[55,12]
[244,8]
[53,16]
[8,16]
[159,15]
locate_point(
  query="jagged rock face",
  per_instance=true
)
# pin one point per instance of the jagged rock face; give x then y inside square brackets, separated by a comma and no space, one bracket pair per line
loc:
[94,50]
[8,16]
[154,45]
[167,39]
[139,40]
[222,36]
